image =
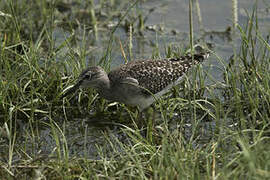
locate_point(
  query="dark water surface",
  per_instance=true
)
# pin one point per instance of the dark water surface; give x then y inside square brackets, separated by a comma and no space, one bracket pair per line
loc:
[167,25]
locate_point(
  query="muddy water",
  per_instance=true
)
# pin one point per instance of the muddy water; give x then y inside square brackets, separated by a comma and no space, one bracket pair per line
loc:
[168,24]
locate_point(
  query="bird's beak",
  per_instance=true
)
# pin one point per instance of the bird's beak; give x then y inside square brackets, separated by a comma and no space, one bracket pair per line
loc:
[71,89]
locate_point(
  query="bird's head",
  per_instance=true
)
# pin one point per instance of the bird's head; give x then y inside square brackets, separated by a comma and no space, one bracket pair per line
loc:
[90,77]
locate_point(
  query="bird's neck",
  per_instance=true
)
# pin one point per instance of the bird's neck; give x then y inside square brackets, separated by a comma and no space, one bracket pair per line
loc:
[103,86]
[103,83]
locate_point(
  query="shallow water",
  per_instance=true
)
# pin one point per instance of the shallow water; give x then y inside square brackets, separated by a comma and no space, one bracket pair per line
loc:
[171,17]
[167,25]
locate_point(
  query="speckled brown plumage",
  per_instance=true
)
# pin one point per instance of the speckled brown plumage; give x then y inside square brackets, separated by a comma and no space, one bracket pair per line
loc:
[155,75]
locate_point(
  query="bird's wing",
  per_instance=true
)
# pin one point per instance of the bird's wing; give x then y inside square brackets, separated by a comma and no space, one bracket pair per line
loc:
[130,80]
[155,75]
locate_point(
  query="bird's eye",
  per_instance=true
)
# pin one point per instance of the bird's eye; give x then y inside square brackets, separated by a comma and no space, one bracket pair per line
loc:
[87,76]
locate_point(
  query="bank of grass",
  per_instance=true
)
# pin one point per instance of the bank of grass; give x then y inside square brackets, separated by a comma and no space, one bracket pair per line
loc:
[32,79]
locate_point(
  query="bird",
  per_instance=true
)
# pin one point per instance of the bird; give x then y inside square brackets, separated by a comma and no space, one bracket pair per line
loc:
[139,82]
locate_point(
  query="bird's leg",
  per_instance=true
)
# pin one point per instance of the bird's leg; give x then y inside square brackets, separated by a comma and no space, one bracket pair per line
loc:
[150,123]
[146,121]
[140,118]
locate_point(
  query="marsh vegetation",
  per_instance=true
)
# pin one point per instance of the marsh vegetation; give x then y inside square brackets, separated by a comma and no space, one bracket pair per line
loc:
[215,125]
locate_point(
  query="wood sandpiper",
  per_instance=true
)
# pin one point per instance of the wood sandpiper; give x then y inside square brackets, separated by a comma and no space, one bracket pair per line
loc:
[138,83]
